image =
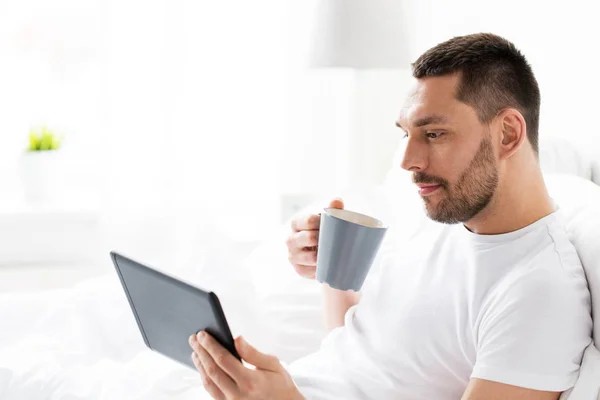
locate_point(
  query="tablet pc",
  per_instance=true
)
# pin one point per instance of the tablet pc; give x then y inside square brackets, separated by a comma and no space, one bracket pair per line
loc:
[168,310]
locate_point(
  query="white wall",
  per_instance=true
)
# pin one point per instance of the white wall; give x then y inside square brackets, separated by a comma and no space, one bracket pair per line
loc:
[173,113]
[342,131]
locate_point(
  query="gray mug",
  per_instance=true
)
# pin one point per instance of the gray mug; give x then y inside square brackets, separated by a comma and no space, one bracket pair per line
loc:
[348,244]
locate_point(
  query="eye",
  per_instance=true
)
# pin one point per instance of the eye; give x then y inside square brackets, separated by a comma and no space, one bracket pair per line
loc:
[434,135]
[405,135]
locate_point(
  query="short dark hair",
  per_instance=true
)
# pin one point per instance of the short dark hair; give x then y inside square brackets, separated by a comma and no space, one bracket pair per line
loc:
[494,75]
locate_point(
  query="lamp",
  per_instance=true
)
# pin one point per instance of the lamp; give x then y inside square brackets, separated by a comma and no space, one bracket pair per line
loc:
[359,34]
[369,37]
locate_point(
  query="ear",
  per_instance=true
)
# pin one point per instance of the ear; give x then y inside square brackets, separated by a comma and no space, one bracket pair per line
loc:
[513,131]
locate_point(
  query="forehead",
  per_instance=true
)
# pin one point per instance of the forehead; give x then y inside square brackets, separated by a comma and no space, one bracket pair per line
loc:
[431,96]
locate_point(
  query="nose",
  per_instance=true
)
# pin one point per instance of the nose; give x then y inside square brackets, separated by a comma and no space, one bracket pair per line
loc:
[415,156]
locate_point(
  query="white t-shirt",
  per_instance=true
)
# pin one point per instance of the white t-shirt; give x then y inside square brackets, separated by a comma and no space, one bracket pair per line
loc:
[449,305]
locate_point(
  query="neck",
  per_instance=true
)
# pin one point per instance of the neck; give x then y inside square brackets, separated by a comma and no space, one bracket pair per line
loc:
[520,200]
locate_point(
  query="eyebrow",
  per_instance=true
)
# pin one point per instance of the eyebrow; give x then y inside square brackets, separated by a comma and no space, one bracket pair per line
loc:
[428,120]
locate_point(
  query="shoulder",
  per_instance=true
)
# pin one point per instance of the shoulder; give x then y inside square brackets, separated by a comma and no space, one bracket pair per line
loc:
[551,268]
[563,250]
[545,289]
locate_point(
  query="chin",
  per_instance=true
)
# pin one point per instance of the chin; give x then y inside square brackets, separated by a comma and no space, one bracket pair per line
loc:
[432,204]
[433,213]
[438,214]
[444,219]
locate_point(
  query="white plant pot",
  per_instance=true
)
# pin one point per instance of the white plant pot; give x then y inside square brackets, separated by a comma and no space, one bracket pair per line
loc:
[41,175]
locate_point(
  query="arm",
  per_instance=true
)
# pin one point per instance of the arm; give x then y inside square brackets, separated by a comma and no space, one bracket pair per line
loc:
[336,303]
[481,389]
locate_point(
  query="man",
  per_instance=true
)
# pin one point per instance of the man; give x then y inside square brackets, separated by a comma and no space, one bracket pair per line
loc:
[488,302]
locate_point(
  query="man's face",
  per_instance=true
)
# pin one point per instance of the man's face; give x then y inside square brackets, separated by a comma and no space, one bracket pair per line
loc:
[448,150]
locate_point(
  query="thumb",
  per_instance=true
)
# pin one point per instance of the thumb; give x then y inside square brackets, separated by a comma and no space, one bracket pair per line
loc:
[255,357]
[337,203]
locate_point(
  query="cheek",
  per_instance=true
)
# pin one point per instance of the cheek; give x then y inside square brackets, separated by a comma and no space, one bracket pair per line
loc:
[447,163]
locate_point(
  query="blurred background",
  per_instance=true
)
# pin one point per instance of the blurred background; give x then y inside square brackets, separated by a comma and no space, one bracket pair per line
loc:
[182,126]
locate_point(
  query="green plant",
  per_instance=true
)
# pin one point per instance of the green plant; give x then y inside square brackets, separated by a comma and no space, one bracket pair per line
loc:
[44,139]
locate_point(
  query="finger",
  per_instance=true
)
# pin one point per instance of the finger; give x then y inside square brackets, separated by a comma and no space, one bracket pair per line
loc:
[296,242]
[337,203]
[208,384]
[223,358]
[304,257]
[306,239]
[255,357]
[223,381]
[306,271]
[306,223]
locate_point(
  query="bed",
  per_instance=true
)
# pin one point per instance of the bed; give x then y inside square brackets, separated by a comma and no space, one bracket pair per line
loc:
[83,343]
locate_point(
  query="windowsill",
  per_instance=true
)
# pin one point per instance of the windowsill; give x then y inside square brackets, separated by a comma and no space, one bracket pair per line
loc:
[48,233]
[71,204]
[29,278]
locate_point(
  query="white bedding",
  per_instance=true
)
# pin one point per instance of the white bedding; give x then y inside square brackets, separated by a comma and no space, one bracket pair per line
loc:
[82,343]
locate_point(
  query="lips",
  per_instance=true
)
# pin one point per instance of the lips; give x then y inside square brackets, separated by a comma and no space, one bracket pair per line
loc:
[427,188]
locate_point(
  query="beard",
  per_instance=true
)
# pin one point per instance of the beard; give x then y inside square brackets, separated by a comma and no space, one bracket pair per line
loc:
[472,192]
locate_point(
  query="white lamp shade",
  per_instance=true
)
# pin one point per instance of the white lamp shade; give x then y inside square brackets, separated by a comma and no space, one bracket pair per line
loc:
[359,34]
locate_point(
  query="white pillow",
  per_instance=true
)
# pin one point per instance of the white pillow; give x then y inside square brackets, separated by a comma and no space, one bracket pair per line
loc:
[558,155]
[596,170]
[587,386]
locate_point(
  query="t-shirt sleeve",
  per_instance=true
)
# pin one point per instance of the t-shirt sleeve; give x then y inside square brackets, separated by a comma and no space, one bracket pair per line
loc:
[533,332]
